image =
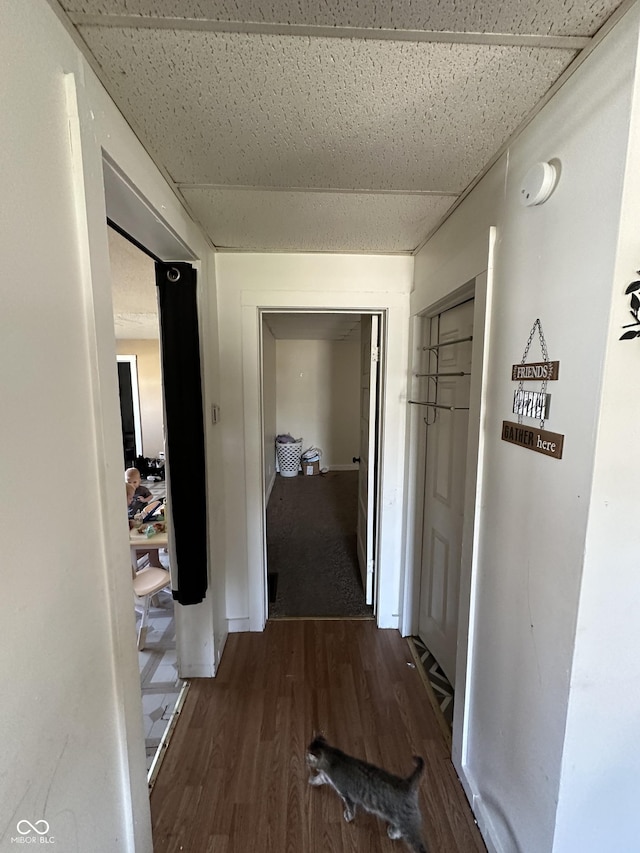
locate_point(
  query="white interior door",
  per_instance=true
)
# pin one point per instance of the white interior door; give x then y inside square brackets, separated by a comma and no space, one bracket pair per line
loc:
[369,369]
[445,466]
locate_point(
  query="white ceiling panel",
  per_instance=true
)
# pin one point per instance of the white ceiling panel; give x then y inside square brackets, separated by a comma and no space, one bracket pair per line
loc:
[543,17]
[333,126]
[228,108]
[315,222]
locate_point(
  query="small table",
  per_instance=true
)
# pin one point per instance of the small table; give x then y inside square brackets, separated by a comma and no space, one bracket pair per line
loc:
[147,545]
[151,580]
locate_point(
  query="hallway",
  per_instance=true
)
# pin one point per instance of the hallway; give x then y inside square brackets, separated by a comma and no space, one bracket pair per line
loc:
[312,547]
[234,778]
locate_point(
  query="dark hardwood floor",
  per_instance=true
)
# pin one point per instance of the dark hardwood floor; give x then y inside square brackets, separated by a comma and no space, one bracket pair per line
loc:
[234,779]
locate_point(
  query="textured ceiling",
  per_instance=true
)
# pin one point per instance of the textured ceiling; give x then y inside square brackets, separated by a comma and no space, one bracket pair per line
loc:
[314,326]
[135,304]
[333,126]
[133,288]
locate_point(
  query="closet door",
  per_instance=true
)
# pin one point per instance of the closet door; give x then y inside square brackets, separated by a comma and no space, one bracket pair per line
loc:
[445,467]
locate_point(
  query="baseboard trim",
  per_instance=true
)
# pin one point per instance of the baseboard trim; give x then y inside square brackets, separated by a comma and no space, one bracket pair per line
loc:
[152,775]
[321,619]
[486,826]
[197,671]
[482,813]
[220,642]
[270,485]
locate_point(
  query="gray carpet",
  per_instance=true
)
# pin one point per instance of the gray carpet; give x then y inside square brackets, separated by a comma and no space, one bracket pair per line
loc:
[311,546]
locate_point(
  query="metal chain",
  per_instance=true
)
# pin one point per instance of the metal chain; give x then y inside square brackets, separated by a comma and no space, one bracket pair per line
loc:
[545,355]
[531,334]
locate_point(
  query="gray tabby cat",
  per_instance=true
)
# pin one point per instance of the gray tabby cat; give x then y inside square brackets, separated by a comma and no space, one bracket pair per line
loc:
[390,797]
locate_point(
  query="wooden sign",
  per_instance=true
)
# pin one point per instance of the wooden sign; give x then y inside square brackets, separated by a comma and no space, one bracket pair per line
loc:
[531,438]
[537,371]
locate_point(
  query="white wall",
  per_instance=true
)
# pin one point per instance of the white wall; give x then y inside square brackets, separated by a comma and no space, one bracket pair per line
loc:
[549,630]
[70,712]
[599,784]
[318,397]
[247,282]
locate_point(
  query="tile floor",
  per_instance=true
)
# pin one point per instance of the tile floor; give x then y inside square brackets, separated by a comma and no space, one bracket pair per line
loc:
[159,680]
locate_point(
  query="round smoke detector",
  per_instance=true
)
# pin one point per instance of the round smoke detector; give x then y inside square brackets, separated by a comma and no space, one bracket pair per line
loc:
[538,184]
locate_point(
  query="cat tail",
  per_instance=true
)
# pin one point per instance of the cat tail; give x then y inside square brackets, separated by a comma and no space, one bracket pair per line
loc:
[417,844]
[417,773]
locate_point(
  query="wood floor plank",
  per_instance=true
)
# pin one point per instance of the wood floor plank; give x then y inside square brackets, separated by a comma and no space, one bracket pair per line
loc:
[235,780]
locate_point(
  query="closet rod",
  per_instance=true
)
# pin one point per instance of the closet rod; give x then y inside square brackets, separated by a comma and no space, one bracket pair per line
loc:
[461,373]
[440,406]
[449,343]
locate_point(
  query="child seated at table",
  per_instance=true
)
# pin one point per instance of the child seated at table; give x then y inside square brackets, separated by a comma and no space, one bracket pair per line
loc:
[153,554]
[142,496]
[130,495]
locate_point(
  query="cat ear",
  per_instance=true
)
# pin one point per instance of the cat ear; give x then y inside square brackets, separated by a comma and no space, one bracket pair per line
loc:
[318,741]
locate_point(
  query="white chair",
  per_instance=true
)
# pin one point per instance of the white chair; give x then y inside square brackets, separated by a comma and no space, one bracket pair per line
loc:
[147,583]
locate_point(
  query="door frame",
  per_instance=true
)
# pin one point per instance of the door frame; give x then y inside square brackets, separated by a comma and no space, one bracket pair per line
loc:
[130,214]
[394,307]
[264,496]
[480,289]
[99,140]
[371,351]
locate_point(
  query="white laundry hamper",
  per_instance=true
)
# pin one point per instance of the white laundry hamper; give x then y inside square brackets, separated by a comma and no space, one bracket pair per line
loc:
[289,454]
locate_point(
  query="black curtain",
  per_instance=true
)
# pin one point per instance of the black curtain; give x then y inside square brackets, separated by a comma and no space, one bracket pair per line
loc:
[184,426]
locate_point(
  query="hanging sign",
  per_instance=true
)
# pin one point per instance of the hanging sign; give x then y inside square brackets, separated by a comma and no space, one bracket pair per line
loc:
[531,404]
[534,404]
[540,440]
[539,370]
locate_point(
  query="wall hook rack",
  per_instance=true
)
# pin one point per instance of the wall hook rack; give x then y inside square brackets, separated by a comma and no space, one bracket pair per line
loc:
[439,406]
[434,374]
[448,343]
[460,373]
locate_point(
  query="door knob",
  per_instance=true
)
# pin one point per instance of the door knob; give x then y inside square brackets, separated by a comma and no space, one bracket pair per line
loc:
[356,458]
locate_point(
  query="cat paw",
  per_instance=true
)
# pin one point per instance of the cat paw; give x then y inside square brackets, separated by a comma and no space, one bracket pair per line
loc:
[394,832]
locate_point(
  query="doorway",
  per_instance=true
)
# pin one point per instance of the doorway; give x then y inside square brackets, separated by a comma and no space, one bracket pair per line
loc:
[320,525]
[136,326]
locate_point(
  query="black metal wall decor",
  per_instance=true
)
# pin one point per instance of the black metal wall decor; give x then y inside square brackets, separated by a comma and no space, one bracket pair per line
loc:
[534,404]
[634,310]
